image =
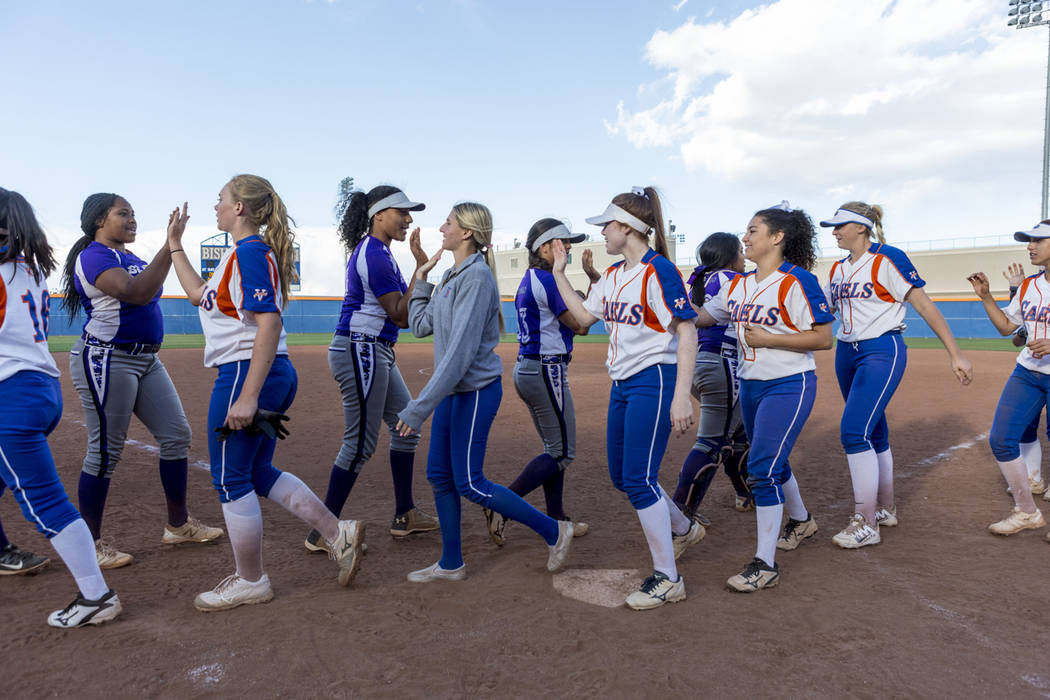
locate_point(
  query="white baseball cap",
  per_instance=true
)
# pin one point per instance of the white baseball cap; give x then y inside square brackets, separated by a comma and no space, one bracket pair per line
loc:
[1039,232]
[845,216]
[397,200]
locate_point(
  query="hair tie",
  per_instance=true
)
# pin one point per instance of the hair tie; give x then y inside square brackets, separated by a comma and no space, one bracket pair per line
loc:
[640,191]
[783,206]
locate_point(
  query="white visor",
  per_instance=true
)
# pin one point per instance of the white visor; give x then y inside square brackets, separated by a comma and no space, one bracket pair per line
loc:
[559,231]
[615,213]
[845,216]
[398,200]
[1039,232]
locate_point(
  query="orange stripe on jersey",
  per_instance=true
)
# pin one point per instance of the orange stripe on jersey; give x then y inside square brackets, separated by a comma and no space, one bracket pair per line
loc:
[3,302]
[223,301]
[650,319]
[782,292]
[880,291]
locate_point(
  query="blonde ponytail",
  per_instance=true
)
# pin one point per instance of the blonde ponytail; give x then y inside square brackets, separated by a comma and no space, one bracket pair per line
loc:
[870,211]
[266,210]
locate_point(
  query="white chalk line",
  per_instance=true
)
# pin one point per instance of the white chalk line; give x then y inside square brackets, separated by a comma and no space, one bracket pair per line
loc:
[154,450]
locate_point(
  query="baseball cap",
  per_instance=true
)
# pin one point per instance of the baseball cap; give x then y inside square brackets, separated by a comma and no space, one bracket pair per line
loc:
[397,200]
[559,231]
[845,216]
[1034,234]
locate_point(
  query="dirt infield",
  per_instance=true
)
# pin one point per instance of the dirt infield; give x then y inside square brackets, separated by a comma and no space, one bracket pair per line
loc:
[940,609]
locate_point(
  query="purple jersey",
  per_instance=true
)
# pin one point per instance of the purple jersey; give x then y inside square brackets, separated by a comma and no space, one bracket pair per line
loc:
[539,304]
[370,273]
[110,319]
[720,340]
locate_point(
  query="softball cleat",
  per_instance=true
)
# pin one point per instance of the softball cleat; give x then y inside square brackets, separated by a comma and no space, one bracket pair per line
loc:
[655,591]
[110,557]
[1018,520]
[15,561]
[345,549]
[755,576]
[795,531]
[496,524]
[83,612]
[1036,485]
[559,551]
[234,591]
[858,534]
[412,521]
[434,572]
[743,504]
[886,517]
[694,534]
[192,530]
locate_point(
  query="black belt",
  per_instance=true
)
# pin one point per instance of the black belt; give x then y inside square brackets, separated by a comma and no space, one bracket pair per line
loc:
[129,348]
[548,359]
[356,337]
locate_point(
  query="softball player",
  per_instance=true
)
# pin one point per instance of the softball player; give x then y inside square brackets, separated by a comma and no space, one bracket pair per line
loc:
[720,435]
[464,392]
[643,302]
[1028,387]
[541,377]
[116,371]
[361,355]
[240,311]
[31,409]
[867,291]
[781,316]
[1031,450]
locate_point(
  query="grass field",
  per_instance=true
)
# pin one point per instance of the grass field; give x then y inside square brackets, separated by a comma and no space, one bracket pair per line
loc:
[62,343]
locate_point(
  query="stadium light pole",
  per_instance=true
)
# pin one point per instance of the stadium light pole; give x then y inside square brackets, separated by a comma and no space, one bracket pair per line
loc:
[1033,14]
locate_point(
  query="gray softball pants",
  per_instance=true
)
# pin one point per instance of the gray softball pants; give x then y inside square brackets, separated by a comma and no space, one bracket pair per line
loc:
[113,385]
[373,392]
[717,389]
[544,387]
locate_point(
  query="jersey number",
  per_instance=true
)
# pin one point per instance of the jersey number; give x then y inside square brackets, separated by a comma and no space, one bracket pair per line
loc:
[209,300]
[39,323]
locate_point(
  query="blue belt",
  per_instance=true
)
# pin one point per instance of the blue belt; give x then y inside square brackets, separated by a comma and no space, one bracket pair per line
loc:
[548,359]
[356,337]
[129,348]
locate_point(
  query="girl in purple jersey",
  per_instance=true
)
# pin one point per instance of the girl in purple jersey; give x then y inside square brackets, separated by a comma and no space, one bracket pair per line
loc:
[116,369]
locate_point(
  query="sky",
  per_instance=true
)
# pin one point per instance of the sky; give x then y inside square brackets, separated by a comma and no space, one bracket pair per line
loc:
[931,108]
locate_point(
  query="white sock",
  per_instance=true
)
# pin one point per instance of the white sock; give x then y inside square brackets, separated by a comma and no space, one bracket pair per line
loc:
[656,524]
[679,523]
[245,529]
[1032,454]
[297,498]
[76,547]
[796,509]
[768,518]
[885,497]
[1016,474]
[864,472]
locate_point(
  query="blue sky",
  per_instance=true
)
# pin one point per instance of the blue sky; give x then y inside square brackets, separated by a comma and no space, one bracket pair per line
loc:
[536,109]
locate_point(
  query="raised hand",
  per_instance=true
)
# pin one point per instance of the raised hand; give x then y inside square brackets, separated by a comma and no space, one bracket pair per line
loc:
[423,270]
[417,248]
[588,266]
[980,283]
[1014,274]
[177,226]
[561,257]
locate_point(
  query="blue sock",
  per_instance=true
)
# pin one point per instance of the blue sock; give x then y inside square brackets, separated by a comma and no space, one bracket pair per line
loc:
[448,511]
[506,502]
[535,473]
[173,480]
[401,469]
[340,481]
[3,537]
[552,491]
[694,462]
[91,499]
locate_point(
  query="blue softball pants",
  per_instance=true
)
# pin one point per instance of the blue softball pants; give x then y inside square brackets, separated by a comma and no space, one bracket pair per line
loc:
[30,409]
[1031,433]
[774,412]
[1020,404]
[638,426]
[244,463]
[869,372]
[459,434]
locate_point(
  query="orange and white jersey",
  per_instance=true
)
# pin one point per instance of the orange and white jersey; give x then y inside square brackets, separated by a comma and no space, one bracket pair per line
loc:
[1030,308]
[788,301]
[868,295]
[638,306]
[24,309]
[245,282]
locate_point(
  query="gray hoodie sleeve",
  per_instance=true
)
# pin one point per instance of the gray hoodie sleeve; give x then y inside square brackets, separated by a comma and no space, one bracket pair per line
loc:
[464,339]
[420,317]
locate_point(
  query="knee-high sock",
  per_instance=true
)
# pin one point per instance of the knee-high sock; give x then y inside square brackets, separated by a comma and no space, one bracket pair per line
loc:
[553,488]
[536,472]
[91,499]
[1032,454]
[768,518]
[506,502]
[76,547]
[340,481]
[449,514]
[1016,474]
[885,478]
[864,473]
[793,504]
[656,524]
[173,481]
[679,523]
[297,498]
[3,537]
[401,471]
[245,529]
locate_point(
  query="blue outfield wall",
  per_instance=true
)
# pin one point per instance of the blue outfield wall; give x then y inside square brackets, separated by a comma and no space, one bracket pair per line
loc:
[966,318]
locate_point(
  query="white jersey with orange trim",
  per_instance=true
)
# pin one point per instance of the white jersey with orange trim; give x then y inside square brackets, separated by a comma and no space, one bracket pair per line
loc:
[868,295]
[788,301]
[245,280]
[638,306]
[24,310]
[1030,308]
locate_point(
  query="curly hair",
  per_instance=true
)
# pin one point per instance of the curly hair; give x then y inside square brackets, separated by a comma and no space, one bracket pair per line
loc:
[266,209]
[800,238]
[354,222]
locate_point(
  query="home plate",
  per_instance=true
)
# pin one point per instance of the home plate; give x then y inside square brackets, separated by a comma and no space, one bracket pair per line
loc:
[605,587]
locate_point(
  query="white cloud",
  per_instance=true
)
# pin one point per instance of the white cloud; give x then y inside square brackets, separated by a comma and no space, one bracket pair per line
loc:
[679,5]
[836,95]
